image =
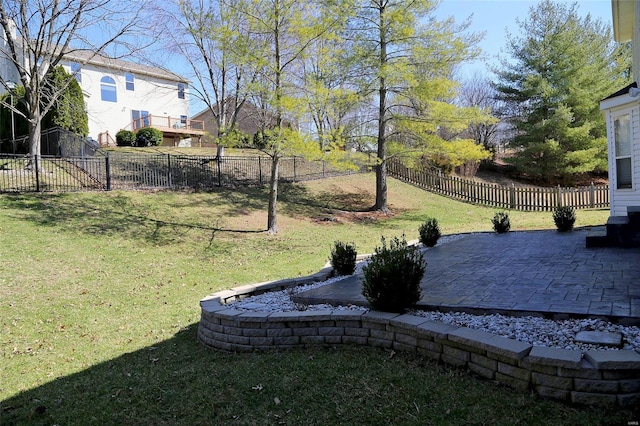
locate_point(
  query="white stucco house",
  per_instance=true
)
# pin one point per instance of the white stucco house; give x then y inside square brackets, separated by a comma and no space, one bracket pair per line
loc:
[121,94]
[622,116]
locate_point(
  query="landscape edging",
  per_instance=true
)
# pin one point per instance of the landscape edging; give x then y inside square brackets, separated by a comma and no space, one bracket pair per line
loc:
[599,378]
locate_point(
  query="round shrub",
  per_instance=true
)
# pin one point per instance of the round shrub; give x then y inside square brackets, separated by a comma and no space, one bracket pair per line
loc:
[148,136]
[501,222]
[392,276]
[343,258]
[125,138]
[429,232]
[564,218]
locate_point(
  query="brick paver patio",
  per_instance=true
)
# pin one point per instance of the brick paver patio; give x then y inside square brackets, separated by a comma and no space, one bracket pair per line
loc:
[536,272]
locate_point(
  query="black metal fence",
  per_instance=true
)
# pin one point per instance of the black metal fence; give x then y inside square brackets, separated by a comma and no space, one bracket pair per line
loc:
[55,142]
[106,171]
[43,174]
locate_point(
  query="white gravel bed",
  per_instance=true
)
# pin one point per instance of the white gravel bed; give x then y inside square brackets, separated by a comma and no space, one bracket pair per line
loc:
[533,330]
[538,331]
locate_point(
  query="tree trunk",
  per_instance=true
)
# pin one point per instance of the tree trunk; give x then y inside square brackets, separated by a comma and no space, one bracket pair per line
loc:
[381,168]
[381,183]
[220,151]
[35,126]
[272,222]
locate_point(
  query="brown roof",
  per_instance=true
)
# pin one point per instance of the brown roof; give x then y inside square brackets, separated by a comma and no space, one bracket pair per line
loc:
[92,58]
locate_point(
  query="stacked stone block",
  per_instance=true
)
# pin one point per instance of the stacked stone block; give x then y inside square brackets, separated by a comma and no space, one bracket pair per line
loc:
[592,378]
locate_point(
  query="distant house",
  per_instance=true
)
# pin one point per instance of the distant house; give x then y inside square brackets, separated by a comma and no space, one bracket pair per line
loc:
[622,115]
[124,95]
[250,121]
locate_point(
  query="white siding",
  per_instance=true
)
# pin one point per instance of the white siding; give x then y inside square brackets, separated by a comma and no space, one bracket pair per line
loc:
[623,198]
[8,70]
[153,94]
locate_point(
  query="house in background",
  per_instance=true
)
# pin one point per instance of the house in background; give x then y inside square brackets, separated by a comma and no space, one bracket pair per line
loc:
[120,95]
[250,121]
[622,116]
[125,95]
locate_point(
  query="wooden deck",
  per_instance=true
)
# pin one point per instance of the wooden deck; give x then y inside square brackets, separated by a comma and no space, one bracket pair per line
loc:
[170,126]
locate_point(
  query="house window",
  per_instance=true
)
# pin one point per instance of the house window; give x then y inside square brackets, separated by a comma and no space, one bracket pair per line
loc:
[183,119]
[76,71]
[622,140]
[108,92]
[140,119]
[129,81]
[180,90]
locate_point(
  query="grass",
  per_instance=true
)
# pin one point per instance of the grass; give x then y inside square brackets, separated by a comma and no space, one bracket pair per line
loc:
[99,307]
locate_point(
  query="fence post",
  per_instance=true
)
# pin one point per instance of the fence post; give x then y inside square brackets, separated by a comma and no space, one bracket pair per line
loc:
[169,177]
[592,195]
[260,170]
[107,169]
[512,196]
[559,196]
[294,169]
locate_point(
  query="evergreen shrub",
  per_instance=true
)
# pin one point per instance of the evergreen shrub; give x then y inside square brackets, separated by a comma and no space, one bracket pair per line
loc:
[125,138]
[392,276]
[564,218]
[343,258]
[501,222]
[429,232]
[148,136]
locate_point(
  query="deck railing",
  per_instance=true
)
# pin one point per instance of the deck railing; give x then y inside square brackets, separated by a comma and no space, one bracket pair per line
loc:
[526,198]
[167,123]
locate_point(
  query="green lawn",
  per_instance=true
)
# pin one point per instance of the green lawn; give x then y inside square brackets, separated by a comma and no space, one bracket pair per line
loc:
[99,307]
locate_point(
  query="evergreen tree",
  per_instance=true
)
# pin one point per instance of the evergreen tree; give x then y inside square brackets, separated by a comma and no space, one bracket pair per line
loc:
[68,111]
[560,68]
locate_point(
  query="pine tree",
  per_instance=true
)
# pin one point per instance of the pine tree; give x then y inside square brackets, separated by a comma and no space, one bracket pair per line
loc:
[560,68]
[68,111]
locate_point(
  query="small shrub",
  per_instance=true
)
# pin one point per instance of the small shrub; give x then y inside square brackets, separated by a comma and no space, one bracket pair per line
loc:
[501,222]
[125,138]
[564,218]
[343,258]
[148,136]
[392,276]
[429,232]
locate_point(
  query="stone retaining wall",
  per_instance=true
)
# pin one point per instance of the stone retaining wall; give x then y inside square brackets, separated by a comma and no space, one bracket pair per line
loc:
[592,378]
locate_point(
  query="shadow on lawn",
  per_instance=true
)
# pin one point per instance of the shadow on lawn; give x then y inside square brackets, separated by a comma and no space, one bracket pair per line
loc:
[125,215]
[178,381]
[297,200]
[151,384]
[129,214]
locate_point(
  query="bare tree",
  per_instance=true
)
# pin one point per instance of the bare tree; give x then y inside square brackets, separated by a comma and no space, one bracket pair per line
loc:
[38,34]
[213,40]
[282,33]
[478,92]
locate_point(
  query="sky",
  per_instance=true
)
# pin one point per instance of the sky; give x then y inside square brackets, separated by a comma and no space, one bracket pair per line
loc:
[494,17]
